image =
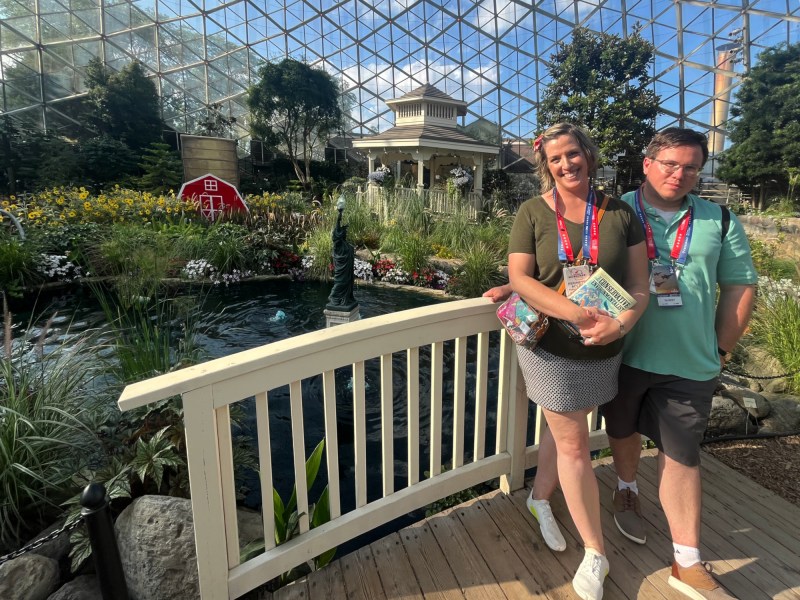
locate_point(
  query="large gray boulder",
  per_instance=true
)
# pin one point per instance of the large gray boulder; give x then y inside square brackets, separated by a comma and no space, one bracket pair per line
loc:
[156,544]
[29,577]
[84,587]
[155,535]
[785,415]
[728,418]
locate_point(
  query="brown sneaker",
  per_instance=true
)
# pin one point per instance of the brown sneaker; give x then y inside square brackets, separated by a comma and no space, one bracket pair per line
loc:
[628,515]
[697,582]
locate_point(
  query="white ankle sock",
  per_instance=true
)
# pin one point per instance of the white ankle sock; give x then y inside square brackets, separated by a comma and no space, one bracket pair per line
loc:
[626,485]
[686,556]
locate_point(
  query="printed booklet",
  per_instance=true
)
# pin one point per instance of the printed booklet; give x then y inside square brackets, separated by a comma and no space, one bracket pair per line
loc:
[602,292]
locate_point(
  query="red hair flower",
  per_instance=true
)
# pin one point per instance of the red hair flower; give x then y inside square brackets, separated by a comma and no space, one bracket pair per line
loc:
[537,143]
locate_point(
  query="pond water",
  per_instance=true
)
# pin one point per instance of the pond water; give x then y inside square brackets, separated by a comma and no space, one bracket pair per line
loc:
[251,314]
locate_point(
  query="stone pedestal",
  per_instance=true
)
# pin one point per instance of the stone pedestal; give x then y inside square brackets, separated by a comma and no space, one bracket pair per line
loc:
[337,317]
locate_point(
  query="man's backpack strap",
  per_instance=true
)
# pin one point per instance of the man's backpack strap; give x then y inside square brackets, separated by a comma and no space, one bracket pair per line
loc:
[726,222]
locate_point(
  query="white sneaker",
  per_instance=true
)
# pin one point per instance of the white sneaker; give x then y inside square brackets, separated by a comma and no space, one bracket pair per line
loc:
[588,580]
[541,510]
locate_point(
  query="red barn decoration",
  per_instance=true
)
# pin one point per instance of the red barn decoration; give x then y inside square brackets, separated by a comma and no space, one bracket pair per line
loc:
[214,196]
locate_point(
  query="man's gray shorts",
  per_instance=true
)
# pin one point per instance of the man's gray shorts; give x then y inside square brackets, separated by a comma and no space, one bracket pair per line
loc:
[671,411]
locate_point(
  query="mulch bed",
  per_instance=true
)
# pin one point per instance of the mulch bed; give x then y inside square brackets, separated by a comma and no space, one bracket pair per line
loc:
[772,462]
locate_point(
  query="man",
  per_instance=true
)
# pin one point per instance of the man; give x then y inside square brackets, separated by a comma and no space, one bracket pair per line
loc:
[673,356]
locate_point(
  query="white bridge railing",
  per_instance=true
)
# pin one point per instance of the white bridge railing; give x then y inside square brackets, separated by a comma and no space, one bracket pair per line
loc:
[472,360]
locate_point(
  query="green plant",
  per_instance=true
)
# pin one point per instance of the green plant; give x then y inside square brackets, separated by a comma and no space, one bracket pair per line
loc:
[479,272]
[767,263]
[409,213]
[18,260]
[775,325]
[455,231]
[320,247]
[363,227]
[287,519]
[225,248]
[47,406]
[414,252]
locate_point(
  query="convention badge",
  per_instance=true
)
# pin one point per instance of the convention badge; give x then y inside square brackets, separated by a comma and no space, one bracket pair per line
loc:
[664,285]
[575,276]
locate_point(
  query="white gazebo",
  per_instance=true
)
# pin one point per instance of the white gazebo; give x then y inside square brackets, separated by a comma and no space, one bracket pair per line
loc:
[425,132]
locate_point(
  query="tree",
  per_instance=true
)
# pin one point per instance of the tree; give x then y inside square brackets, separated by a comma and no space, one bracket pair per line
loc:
[294,107]
[106,161]
[600,81]
[125,104]
[765,131]
[215,123]
[163,169]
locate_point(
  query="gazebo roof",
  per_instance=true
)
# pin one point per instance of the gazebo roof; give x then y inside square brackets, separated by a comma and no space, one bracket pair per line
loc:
[429,92]
[425,134]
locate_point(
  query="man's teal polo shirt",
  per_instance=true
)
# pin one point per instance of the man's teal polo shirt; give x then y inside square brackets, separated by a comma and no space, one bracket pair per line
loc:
[681,340]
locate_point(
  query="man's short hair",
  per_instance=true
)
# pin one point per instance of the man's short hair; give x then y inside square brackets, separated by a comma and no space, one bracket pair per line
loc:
[672,137]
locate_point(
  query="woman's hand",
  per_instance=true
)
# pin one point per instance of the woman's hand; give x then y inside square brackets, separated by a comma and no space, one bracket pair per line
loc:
[603,330]
[499,293]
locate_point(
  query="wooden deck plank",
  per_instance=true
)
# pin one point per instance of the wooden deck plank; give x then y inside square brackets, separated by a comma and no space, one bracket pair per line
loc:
[624,580]
[514,578]
[491,549]
[327,583]
[741,495]
[435,578]
[743,539]
[744,486]
[297,590]
[737,572]
[394,569]
[648,559]
[465,559]
[361,580]
[573,555]
[523,535]
[736,505]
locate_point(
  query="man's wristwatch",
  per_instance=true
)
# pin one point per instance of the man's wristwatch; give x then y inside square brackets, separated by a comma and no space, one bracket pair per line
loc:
[723,353]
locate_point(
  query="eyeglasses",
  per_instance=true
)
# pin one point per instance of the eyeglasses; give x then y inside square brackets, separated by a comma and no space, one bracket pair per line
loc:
[668,167]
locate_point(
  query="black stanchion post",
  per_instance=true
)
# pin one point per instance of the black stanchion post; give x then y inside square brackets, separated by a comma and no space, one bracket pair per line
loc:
[97,515]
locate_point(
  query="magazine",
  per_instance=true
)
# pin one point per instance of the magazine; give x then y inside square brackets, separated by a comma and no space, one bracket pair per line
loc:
[602,292]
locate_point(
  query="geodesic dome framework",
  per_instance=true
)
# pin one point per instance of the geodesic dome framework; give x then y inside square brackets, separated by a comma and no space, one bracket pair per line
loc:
[492,54]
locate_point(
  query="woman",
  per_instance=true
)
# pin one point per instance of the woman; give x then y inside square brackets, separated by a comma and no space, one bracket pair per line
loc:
[568,376]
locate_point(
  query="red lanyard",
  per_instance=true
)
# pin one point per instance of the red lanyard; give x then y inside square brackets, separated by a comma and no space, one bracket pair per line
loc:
[591,232]
[683,237]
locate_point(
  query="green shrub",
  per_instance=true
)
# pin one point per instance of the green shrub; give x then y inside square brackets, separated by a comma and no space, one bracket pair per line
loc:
[226,249]
[479,272]
[414,252]
[775,325]
[320,247]
[768,264]
[455,231]
[18,260]
[363,230]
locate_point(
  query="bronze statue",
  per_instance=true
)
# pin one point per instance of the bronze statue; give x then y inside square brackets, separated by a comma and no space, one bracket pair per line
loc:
[341,296]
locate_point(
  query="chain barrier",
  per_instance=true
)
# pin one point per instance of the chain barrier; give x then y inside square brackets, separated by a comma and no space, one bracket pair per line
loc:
[749,376]
[41,541]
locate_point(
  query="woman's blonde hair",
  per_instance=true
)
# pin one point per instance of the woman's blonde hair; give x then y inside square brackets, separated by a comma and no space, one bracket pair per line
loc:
[579,134]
